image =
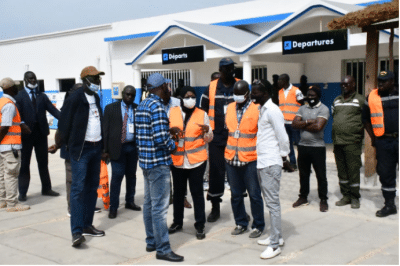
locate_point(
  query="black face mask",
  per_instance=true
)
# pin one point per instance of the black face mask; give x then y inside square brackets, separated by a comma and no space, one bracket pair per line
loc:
[312,101]
[256,99]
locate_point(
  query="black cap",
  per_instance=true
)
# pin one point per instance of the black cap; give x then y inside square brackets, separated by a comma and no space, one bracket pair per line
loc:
[385,75]
[226,61]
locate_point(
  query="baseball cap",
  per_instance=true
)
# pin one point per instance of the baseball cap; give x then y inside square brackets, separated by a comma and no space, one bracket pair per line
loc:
[385,75]
[156,80]
[226,61]
[90,71]
[7,83]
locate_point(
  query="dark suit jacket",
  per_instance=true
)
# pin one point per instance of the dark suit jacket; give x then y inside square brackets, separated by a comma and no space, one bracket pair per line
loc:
[113,129]
[43,104]
[74,120]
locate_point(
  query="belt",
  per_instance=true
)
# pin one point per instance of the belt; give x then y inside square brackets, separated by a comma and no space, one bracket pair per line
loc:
[91,143]
[391,135]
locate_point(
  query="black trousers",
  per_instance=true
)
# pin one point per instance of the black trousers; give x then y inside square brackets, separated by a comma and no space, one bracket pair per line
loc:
[387,157]
[217,172]
[180,179]
[315,156]
[39,142]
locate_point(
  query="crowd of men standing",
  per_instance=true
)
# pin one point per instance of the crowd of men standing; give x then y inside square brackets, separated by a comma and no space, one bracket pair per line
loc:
[242,133]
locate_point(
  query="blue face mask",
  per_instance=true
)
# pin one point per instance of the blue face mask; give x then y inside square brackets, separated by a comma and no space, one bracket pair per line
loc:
[93,87]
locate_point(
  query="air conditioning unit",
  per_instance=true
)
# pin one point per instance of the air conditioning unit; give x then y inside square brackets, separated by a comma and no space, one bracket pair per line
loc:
[116,90]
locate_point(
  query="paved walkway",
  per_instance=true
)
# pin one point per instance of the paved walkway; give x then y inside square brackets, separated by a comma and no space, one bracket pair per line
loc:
[340,236]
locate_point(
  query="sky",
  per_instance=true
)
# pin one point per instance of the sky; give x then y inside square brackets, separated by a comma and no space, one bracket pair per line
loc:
[21,18]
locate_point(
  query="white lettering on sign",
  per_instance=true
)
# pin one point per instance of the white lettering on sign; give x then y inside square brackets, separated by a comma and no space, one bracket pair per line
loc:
[303,45]
[177,56]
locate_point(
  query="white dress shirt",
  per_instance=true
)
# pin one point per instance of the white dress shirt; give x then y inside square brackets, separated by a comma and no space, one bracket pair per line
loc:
[272,139]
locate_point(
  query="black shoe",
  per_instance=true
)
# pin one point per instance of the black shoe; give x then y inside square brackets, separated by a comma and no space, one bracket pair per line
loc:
[77,239]
[22,197]
[97,210]
[174,228]
[150,249]
[323,206]
[386,211]
[170,257]
[91,231]
[112,214]
[215,213]
[200,234]
[132,206]
[51,193]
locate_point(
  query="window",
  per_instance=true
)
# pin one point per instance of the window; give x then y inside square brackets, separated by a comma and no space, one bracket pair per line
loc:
[178,77]
[257,72]
[65,84]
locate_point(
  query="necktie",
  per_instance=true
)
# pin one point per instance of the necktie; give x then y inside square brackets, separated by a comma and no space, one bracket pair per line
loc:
[33,99]
[124,123]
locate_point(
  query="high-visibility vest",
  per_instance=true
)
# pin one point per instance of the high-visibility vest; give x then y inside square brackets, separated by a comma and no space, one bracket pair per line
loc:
[245,145]
[289,106]
[375,105]
[211,105]
[194,144]
[13,135]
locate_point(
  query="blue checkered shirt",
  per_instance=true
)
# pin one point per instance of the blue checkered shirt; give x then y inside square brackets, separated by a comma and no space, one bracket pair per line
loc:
[239,113]
[152,133]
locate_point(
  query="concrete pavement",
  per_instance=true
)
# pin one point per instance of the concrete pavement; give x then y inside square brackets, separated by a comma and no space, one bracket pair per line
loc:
[340,236]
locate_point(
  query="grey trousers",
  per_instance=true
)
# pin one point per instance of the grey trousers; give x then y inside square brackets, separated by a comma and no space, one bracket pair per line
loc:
[270,179]
[9,170]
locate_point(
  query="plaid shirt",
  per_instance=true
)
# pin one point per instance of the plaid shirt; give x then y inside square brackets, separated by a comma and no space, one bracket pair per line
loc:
[239,113]
[152,133]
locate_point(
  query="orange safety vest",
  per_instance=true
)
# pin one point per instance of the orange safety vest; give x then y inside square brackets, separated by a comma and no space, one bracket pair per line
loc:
[194,144]
[289,106]
[13,135]
[246,142]
[211,106]
[375,105]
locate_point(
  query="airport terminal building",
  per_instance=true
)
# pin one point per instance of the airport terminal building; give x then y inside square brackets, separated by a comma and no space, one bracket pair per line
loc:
[264,37]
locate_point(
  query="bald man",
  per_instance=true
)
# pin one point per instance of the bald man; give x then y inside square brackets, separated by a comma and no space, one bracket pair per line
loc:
[347,135]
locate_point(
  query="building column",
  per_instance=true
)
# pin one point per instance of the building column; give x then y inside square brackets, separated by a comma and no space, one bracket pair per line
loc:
[137,82]
[246,60]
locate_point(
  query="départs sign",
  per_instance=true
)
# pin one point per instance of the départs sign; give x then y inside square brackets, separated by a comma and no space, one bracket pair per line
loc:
[315,42]
[178,55]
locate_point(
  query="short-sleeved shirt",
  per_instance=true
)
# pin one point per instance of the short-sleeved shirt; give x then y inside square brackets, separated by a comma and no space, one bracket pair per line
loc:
[347,126]
[8,112]
[314,139]
[93,131]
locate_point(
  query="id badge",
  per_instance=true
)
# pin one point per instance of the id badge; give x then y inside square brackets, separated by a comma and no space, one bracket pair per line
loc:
[225,108]
[181,142]
[131,128]
[236,134]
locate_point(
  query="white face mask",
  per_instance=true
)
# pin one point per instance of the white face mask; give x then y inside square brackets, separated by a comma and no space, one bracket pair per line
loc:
[32,86]
[239,98]
[189,103]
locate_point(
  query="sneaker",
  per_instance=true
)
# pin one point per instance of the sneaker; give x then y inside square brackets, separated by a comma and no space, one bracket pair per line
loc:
[355,203]
[77,240]
[300,202]
[255,233]
[238,230]
[323,206]
[270,253]
[200,234]
[92,231]
[174,228]
[343,201]
[267,242]
[18,208]
[97,210]
[386,211]
[3,204]
[227,186]
[205,186]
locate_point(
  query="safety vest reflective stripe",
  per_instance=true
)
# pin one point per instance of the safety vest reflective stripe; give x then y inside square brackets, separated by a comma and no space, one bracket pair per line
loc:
[389,189]
[13,135]
[375,105]
[289,105]
[355,185]
[343,182]
[194,145]
[244,145]
[211,105]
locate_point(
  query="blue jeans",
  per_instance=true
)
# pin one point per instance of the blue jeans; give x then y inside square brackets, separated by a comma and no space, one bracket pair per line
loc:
[242,179]
[85,181]
[291,134]
[125,165]
[157,181]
